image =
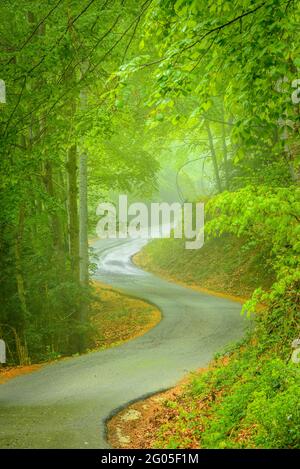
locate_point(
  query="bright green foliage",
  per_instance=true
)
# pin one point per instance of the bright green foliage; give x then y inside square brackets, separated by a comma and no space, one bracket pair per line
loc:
[52,54]
[244,55]
[267,217]
[253,402]
[233,66]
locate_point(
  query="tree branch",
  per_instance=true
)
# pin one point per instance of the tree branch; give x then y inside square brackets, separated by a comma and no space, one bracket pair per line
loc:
[208,33]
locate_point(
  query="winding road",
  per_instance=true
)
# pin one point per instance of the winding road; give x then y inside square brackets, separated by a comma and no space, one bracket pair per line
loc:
[66,404]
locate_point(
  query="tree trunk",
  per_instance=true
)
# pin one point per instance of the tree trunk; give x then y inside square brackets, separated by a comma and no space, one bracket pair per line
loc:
[83,226]
[214,157]
[55,221]
[72,211]
[62,181]
[225,156]
[20,343]
[83,209]
[83,221]
[225,153]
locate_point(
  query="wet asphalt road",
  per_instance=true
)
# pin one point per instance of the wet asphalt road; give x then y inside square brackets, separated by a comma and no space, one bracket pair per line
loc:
[66,404]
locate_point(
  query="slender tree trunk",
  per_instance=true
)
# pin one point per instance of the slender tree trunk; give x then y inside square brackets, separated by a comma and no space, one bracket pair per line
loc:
[78,337]
[83,208]
[20,342]
[83,225]
[225,153]
[55,221]
[225,156]
[73,211]
[214,157]
[62,182]
[83,221]
[19,276]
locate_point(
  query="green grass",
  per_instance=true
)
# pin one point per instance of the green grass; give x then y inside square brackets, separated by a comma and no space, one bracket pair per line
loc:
[250,402]
[226,264]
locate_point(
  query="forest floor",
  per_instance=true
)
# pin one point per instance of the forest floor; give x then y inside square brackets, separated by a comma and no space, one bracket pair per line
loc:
[221,269]
[118,317]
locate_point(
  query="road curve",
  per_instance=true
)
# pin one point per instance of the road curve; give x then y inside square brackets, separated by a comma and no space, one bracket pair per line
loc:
[66,404]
